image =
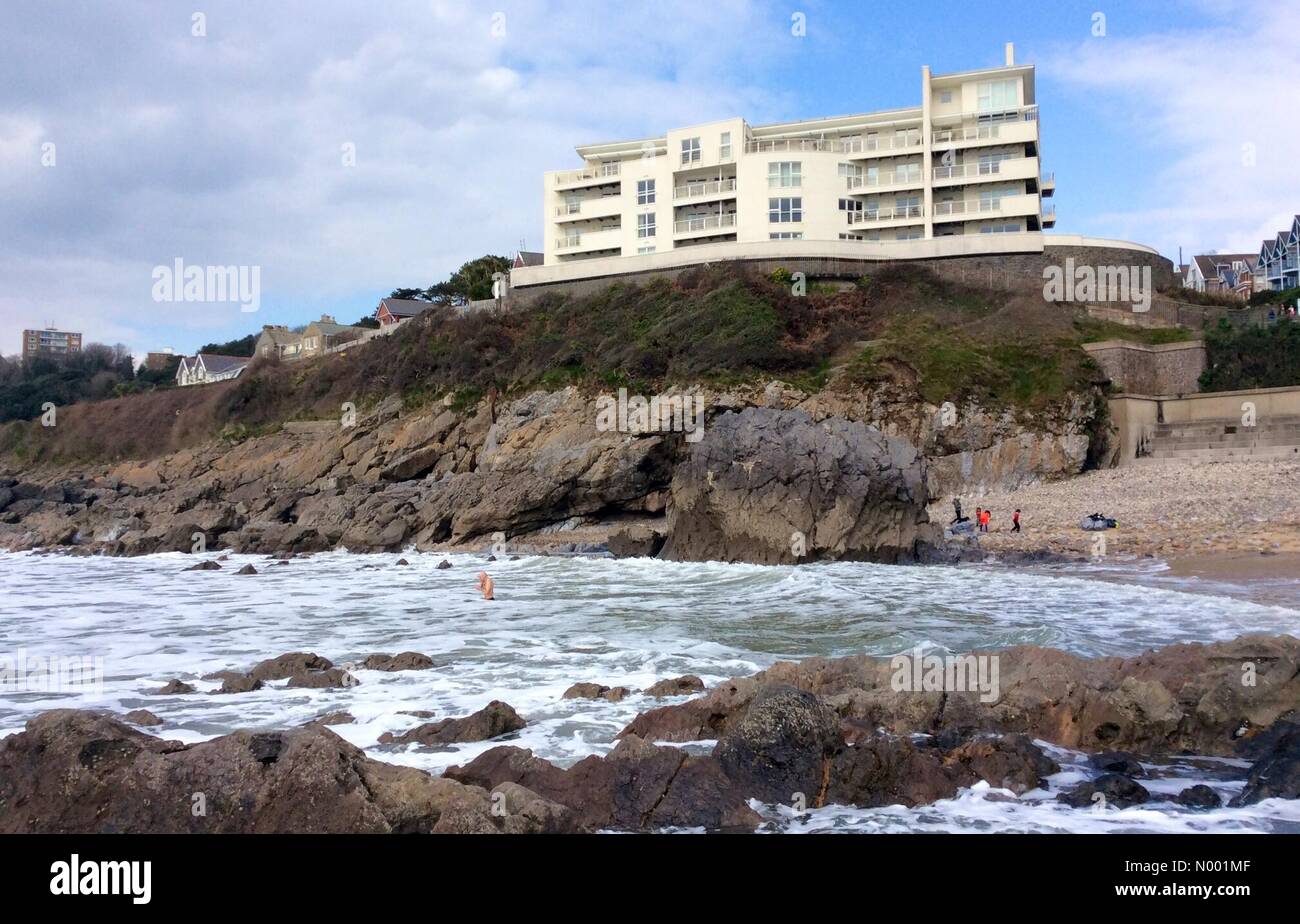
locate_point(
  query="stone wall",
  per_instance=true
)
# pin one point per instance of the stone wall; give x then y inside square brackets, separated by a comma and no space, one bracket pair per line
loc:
[1166,369]
[1004,269]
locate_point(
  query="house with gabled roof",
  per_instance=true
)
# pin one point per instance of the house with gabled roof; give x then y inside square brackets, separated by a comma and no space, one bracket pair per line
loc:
[278,342]
[1232,273]
[204,368]
[322,335]
[396,310]
[1279,258]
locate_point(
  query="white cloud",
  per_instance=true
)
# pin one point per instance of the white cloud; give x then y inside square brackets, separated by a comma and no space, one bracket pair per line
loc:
[1217,98]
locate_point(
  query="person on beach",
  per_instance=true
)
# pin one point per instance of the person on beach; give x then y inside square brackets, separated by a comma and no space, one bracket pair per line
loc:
[486,586]
[1015,521]
[984,520]
[979,517]
[956,506]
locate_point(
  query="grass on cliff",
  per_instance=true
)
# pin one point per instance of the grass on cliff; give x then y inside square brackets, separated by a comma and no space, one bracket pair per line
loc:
[719,325]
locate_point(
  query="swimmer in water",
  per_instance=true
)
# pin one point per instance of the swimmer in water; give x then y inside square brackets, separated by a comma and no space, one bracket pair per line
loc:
[485,585]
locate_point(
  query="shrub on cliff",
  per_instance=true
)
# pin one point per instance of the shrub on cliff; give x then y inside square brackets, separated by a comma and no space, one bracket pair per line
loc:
[1251,357]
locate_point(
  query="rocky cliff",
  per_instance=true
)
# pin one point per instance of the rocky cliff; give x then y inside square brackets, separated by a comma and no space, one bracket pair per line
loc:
[444,475]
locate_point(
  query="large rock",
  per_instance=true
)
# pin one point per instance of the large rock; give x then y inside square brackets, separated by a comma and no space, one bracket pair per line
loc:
[492,721]
[776,487]
[79,772]
[637,786]
[287,665]
[1185,698]
[1276,774]
[782,746]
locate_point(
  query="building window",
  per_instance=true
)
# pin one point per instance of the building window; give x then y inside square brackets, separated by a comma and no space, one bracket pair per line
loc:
[645,225]
[989,162]
[724,146]
[785,236]
[690,150]
[850,205]
[908,234]
[945,96]
[645,192]
[997,96]
[907,205]
[609,168]
[784,174]
[785,209]
[999,228]
[650,249]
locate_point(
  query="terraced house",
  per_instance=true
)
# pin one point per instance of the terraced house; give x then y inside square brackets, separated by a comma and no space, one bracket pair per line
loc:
[963,162]
[1279,258]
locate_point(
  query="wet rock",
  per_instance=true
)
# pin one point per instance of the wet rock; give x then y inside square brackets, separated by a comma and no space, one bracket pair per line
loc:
[1276,772]
[328,679]
[418,713]
[204,566]
[1011,762]
[1118,762]
[597,691]
[142,717]
[444,565]
[492,721]
[783,745]
[636,542]
[286,665]
[174,688]
[1109,789]
[773,486]
[517,805]
[402,561]
[1199,796]
[335,718]
[637,786]
[881,770]
[405,661]
[247,569]
[80,772]
[1185,698]
[240,683]
[676,686]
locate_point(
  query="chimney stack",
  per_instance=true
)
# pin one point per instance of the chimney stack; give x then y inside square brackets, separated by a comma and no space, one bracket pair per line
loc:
[1011,54]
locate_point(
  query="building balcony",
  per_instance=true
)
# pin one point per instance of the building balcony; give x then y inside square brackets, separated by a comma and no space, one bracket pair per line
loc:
[704,224]
[584,209]
[883,182]
[1001,207]
[985,133]
[899,215]
[1049,216]
[589,176]
[579,242]
[862,147]
[1047,184]
[700,192]
[1013,168]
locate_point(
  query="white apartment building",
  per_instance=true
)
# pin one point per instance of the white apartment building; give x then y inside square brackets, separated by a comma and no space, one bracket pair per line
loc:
[964,162]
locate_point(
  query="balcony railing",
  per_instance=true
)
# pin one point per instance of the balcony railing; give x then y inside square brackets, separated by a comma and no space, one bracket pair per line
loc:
[893,214]
[892,178]
[969,206]
[974,133]
[704,223]
[603,171]
[695,190]
[1047,179]
[604,239]
[833,146]
[600,205]
[986,168]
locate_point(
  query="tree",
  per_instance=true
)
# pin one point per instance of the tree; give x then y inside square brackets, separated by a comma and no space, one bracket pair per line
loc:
[472,282]
[244,346]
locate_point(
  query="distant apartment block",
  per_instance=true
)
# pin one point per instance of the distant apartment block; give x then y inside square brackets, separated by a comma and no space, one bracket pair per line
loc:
[156,360]
[1279,259]
[60,342]
[963,162]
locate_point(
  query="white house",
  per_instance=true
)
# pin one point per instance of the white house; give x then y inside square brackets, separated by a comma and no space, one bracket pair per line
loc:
[203,368]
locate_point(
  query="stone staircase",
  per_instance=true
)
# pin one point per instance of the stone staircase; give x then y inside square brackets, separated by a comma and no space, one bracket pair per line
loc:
[1225,440]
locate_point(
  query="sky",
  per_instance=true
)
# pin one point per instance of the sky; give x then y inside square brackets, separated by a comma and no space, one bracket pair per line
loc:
[345,149]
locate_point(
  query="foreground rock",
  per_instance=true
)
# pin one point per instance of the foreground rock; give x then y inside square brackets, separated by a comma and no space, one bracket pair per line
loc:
[492,721]
[1276,772]
[776,487]
[1186,698]
[74,772]
[406,661]
[597,691]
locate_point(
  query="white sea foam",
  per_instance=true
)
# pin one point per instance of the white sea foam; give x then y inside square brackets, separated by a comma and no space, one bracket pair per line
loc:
[557,621]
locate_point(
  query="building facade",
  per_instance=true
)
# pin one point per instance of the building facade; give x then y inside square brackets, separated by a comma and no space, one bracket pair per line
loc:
[1224,273]
[1279,259]
[57,342]
[203,368]
[963,162]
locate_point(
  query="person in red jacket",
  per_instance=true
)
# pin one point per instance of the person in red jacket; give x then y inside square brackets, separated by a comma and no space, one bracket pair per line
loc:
[1015,521]
[984,520]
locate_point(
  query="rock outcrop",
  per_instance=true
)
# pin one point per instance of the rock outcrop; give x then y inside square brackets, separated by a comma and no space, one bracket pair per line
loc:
[777,487]
[492,721]
[77,772]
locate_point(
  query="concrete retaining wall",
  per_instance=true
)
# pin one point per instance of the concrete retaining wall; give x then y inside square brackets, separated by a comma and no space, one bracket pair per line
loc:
[1165,369]
[1134,417]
